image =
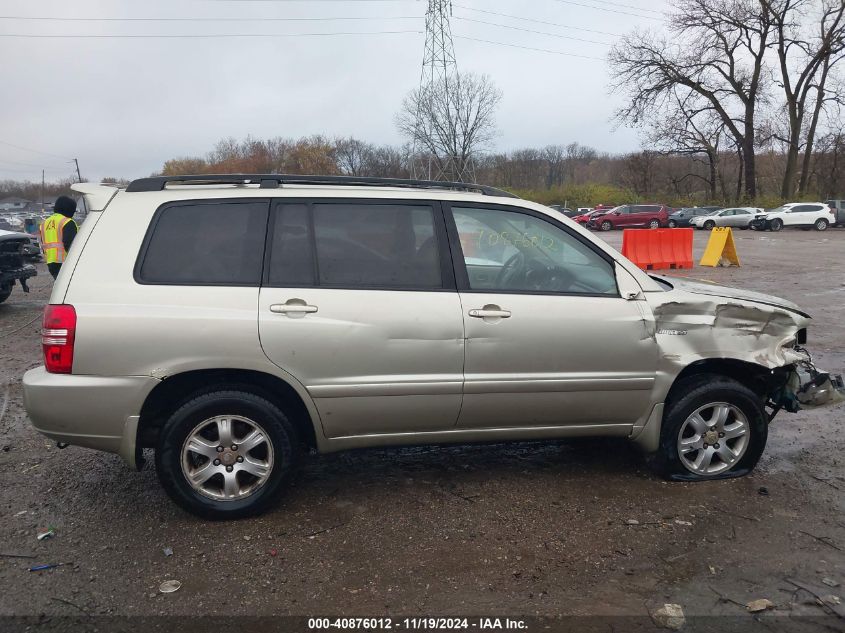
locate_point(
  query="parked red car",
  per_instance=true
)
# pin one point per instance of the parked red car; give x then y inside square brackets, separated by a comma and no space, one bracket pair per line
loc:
[597,210]
[584,218]
[628,216]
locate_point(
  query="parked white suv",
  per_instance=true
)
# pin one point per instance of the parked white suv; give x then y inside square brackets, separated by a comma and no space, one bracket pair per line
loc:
[229,321]
[817,215]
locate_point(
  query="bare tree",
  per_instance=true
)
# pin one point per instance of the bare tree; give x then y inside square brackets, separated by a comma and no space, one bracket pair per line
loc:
[805,57]
[452,121]
[352,155]
[689,126]
[639,172]
[715,49]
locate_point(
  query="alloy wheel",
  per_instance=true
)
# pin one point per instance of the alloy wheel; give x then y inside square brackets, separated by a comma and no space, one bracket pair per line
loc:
[227,457]
[713,438]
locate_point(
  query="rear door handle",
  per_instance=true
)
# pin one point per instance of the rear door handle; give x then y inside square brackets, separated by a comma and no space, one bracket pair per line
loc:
[488,313]
[288,308]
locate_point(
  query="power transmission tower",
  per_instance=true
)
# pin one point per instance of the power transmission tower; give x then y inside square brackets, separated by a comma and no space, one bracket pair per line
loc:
[439,66]
[439,57]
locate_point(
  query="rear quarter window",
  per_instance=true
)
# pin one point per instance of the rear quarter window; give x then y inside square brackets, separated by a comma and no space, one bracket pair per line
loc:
[205,243]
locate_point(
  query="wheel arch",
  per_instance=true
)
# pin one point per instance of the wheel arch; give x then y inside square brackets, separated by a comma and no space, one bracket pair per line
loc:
[761,380]
[754,376]
[175,390]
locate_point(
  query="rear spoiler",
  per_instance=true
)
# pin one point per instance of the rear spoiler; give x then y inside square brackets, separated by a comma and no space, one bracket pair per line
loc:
[97,197]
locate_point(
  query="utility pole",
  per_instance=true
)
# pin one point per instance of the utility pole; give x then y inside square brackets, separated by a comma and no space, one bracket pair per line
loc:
[42,192]
[439,64]
[78,175]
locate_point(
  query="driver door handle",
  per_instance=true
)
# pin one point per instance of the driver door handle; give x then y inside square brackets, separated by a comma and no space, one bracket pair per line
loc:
[483,313]
[285,308]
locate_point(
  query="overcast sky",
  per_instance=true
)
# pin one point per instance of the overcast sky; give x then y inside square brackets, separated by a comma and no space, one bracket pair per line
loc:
[125,105]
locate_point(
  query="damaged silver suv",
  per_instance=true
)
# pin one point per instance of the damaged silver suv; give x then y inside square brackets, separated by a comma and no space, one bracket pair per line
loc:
[229,322]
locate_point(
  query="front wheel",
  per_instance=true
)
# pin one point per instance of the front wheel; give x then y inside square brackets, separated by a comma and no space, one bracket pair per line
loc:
[654,224]
[672,224]
[776,225]
[606,226]
[709,225]
[5,292]
[225,454]
[716,429]
[821,224]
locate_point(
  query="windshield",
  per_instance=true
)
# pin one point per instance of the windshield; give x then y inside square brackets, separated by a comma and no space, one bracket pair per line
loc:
[778,210]
[716,212]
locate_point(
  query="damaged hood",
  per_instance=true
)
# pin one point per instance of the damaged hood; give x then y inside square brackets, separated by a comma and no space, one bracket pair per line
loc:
[715,290]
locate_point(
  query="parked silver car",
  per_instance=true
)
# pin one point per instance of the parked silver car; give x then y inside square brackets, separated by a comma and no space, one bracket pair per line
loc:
[737,217]
[228,322]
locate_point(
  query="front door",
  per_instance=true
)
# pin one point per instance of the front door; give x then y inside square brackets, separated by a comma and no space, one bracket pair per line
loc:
[549,340]
[358,305]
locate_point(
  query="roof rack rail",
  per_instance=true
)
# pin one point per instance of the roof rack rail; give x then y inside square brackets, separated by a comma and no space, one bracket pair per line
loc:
[273,181]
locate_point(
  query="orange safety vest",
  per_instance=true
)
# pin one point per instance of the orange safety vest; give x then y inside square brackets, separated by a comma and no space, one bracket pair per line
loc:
[52,230]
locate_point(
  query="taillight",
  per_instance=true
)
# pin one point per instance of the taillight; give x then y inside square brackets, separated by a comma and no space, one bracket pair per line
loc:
[57,338]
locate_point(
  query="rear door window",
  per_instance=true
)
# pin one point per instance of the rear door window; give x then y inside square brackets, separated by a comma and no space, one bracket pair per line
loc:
[355,245]
[376,245]
[205,243]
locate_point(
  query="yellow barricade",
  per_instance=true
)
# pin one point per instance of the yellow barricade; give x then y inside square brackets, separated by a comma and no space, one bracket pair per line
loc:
[720,247]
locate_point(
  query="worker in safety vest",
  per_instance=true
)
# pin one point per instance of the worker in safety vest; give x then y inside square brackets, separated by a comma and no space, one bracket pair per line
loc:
[57,233]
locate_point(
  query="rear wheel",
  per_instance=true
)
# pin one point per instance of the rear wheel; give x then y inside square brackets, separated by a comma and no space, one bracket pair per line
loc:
[821,224]
[606,225]
[716,429]
[672,224]
[776,225]
[654,224]
[225,454]
[709,224]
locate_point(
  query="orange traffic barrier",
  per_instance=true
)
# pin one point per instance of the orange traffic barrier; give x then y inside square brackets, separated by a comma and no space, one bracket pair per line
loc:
[653,249]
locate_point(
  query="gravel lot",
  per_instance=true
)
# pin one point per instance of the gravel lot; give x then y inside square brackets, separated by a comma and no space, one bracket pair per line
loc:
[531,528]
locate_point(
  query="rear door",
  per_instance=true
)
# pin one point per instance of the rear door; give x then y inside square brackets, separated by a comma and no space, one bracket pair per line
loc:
[741,218]
[641,214]
[549,340]
[358,303]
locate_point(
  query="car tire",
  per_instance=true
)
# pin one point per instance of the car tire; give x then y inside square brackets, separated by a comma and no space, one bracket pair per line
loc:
[606,226]
[709,225]
[776,225]
[821,224]
[198,418]
[5,292]
[700,401]
[672,224]
[654,224]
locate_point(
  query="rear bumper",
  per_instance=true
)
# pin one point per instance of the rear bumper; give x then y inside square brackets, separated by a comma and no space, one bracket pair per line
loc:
[92,411]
